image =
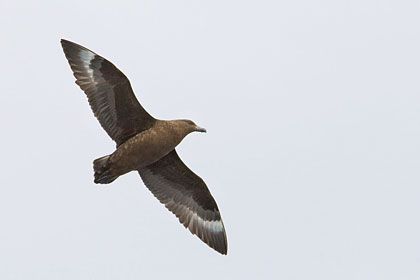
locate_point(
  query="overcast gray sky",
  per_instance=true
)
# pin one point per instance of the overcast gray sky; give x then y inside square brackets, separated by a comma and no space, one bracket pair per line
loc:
[312,150]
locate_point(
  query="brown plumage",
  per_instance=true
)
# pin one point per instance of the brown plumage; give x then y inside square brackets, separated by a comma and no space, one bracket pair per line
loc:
[146,145]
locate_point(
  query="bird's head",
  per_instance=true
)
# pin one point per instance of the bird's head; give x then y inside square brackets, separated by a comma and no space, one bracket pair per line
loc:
[189,126]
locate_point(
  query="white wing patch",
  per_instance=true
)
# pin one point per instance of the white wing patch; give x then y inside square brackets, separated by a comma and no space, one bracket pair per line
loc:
[214,226]
[192,219]
[86,57]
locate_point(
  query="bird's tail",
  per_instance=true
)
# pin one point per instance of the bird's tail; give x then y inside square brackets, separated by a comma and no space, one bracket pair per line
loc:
[102,171]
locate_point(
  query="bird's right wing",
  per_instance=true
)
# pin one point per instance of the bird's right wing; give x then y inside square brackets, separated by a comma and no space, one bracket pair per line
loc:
[187,196]
[109,93]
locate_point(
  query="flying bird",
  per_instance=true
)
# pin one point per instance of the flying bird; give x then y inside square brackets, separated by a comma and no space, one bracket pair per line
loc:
[146,145]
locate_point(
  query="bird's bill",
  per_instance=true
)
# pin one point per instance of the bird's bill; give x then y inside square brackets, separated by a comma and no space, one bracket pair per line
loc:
[200,129]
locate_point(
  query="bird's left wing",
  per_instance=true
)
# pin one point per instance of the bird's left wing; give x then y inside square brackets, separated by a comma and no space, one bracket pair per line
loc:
[187,196]
[109,93]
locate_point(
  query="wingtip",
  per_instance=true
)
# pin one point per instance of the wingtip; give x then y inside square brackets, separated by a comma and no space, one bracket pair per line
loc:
[69,46]
[65,43]
[223,249]
[221,244]
[223,252]
[217,242]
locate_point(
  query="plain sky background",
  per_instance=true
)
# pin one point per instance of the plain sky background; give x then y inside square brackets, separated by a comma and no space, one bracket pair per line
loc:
[312,152]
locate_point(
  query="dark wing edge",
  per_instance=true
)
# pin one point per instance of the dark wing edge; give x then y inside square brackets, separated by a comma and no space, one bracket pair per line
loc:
[186,195]
[109,93]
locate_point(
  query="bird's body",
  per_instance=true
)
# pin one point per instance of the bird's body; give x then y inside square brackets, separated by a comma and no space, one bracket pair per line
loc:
[146,145]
